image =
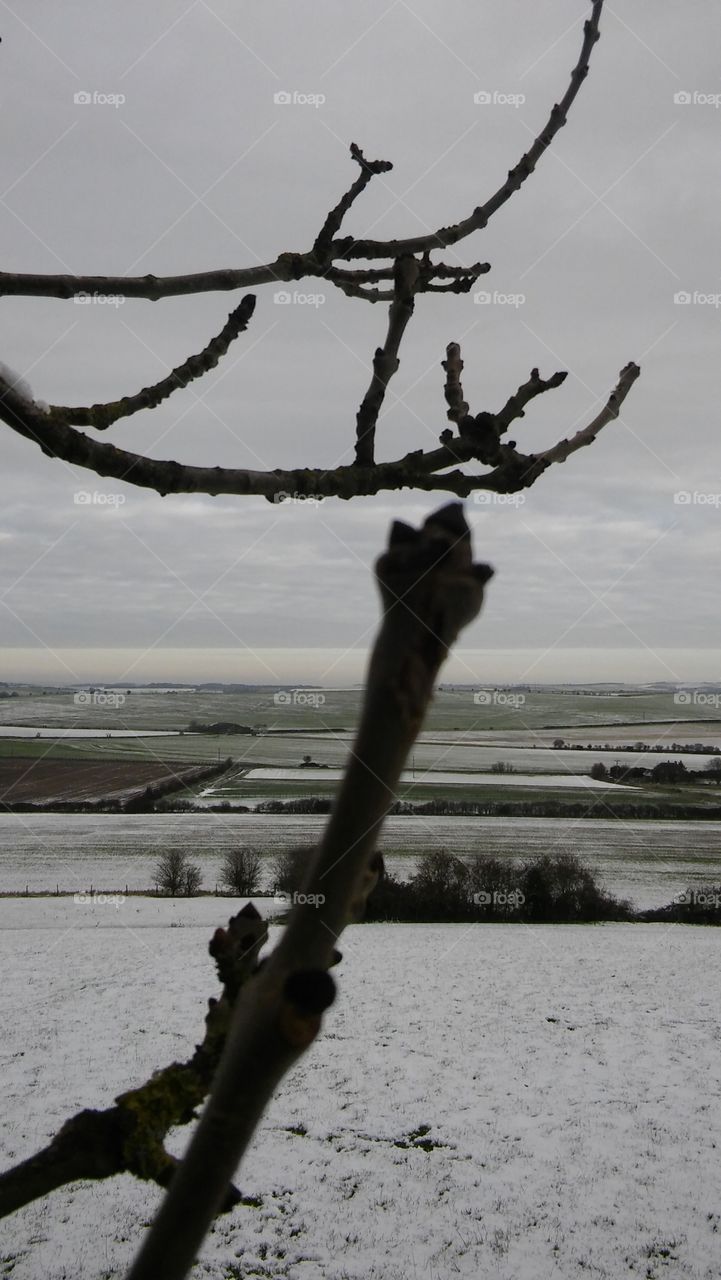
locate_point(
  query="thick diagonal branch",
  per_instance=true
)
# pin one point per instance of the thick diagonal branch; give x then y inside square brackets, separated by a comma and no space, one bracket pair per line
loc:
[427,470]
[102,416]
[430,590]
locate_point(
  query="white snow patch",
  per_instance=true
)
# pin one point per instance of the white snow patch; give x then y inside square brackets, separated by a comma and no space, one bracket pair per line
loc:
[568,1077]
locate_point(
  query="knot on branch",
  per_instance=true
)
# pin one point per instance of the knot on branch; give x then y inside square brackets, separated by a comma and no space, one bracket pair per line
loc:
[483,436]
[307,993]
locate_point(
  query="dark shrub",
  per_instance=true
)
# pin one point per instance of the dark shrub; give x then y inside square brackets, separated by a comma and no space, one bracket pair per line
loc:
[240,872]
[288,869]
[177,876]
[446,888]
[559,888]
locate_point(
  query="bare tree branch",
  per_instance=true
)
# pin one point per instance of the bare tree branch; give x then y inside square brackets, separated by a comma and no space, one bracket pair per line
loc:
[101,416]
[453,391]
[324,240]
[481,216]
[479,438]
[516,404]
[130,1137]
[153,288]
[385,360]
[430,590]
[295,266]
[564,448]
[354,283]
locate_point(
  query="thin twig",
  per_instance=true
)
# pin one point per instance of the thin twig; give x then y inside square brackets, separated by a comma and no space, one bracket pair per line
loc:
[101,416]
[564,448]
[332,224]
[515,406]
[481,215]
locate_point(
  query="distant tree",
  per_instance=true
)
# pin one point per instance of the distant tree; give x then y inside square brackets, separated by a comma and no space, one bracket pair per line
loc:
[441,885]
[501,766]
[599,772]
[240,872]
[177,876]
[288,869]
[558,743]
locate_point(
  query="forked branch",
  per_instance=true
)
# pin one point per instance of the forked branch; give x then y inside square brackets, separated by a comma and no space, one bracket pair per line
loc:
[409,271]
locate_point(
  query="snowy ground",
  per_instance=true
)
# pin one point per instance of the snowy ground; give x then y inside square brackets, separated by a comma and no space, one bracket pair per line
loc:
[568,1078]
[438,777]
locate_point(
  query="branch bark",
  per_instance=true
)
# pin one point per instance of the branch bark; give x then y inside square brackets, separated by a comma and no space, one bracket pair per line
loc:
[295,266]
[481,216]
[385,360]
[102,416]
[430,589]
[130,1137]
[511,470]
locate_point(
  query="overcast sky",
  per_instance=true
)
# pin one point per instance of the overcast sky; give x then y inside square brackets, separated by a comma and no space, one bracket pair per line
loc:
[601,572]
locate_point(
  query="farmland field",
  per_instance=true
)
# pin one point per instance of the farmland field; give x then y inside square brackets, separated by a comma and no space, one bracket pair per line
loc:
[454,760]
[562,1079]
[43,780]
[544,709]
[646,861]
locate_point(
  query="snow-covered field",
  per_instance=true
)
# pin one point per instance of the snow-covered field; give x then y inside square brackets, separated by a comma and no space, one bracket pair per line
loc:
[565,1079]
[647,862]
[439,777]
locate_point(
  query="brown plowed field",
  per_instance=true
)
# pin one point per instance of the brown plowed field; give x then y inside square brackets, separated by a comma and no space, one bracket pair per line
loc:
[42,781]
